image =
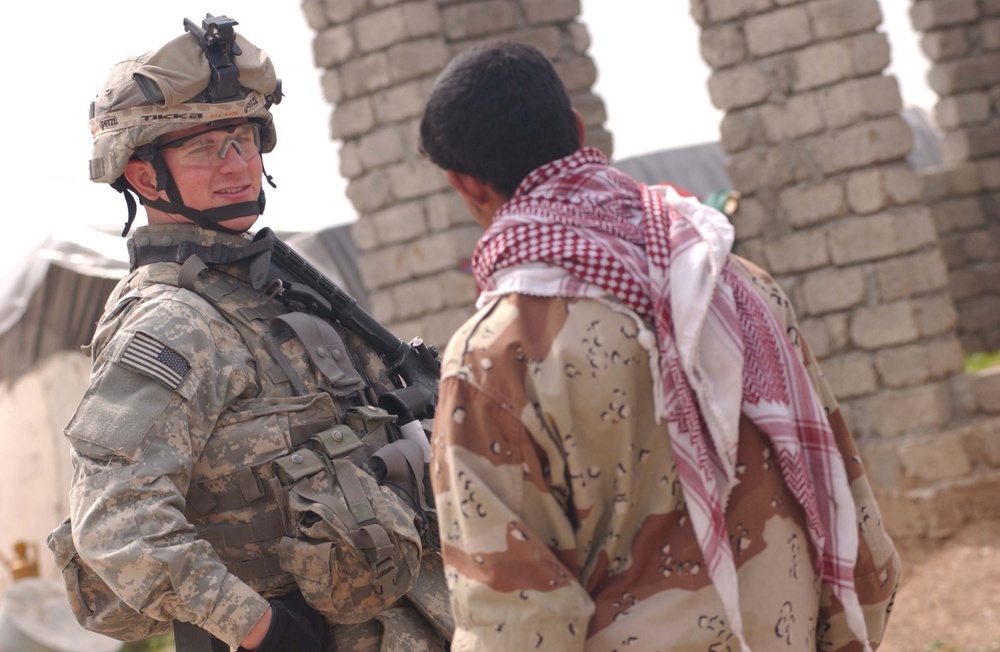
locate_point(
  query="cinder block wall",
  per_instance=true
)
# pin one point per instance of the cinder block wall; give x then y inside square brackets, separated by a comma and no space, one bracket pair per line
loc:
[817,147]
[962,40]
[380,58]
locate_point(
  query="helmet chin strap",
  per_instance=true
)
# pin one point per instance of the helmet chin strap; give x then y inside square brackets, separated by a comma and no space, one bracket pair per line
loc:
[209,218]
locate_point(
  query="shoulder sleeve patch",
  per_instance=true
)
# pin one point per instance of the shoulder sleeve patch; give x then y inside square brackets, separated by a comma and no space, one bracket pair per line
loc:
[151,357]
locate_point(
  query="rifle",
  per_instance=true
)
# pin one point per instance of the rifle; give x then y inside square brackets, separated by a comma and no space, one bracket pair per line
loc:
[413,366]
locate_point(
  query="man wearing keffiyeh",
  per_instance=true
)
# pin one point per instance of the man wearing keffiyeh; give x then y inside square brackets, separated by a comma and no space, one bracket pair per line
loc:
[634,447]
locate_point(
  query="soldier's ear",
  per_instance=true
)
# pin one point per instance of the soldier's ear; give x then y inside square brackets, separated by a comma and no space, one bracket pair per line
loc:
[581,129]
[480,197]
[142,177]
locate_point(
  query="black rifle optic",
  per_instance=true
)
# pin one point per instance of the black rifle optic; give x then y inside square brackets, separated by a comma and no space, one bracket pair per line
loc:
[414,366]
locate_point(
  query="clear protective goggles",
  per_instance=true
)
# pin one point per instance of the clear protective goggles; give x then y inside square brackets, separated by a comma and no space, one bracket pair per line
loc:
[209,148]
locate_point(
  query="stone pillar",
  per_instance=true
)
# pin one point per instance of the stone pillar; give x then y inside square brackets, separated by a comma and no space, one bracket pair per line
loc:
[962,40]
[817,147]
[380,59]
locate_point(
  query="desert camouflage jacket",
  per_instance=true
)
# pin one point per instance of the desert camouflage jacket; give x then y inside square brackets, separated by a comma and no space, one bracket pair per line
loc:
[562,522]
[174,501]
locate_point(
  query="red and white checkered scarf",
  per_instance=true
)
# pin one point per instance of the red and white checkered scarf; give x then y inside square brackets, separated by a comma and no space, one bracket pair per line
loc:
[578,227]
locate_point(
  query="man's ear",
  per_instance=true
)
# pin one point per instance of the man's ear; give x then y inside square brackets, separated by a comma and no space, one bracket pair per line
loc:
[581,130]
[472,189]
[142,177]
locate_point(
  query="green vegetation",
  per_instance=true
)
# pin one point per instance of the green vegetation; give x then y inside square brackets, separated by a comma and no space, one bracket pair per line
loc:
[940,646]
[979,361]
[162,643]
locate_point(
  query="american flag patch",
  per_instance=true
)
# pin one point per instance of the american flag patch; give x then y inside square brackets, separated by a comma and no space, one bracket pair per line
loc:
[149,356]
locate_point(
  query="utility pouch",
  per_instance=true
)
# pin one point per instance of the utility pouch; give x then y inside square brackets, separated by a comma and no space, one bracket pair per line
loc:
[96,607]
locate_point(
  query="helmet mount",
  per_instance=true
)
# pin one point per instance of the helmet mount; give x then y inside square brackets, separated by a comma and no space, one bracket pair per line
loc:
[192,80]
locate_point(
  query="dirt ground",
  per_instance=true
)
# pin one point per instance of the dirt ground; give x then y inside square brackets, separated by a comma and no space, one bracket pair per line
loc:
[949,597]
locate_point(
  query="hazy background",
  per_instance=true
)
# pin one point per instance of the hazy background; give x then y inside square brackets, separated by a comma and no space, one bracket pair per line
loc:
[651,77]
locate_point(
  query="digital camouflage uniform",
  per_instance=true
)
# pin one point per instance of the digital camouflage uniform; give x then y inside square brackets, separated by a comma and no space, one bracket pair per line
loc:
[562,521]
[185,499]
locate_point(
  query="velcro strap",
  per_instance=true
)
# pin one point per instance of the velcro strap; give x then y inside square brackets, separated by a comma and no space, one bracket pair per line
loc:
[237,536]
[404,467]
[357,498]
[256,569]
[247,490]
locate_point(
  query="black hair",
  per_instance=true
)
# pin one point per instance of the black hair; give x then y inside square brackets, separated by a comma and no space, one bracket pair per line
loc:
[497,112]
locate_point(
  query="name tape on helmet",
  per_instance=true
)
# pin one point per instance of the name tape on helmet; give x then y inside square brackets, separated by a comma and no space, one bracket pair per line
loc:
[181,114]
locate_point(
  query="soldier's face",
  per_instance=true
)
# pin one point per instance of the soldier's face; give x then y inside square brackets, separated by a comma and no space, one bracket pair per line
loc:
[232,181]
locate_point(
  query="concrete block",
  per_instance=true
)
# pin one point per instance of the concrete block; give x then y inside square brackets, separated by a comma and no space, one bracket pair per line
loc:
[717,11]
[352,118]
[964,284]
[380,29]
[441,251]
[912,275]
[350,160]
[870,53]
[935,314]
[341,11]
[401,102]
[875,327]
[851,375]
[723,46]
[966,109]
[822,64]
[973,142]
[364,237]
[859,99]
[577,73]
[750,219]
[333,46]
[417,58]
[400,223]
[315,14]
[370,192]
[877,141]
[415,179]
[798,116]
[759,168]
[964,178]
[883,235]
[927,15]
[953,250]
[918,363]
[459,288]
[945,44]
[591,107]
[989,31]
[418,297]
[441,326]
[740,129]
[805,205]
[547,39]
[333,90]
[445,210]
[881,460]
[903,184]
[579,37]
[422,18]
[929,460]
[384,267]
[382,146]
[911,410]
[986,388]
[550,11]
[831,290]
[958,215]
[989,173]
[738,87]
[982,246]
[382,307]
[797,252]
[866,192]
[365,74]
[962,75]
[836,18]
[474,19]
[778,30]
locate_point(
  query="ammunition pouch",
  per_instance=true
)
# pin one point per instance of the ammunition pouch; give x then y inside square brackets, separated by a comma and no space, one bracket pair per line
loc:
[95,606]
[356,549]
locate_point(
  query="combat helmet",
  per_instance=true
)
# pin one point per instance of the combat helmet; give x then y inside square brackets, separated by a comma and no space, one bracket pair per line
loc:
[210,74]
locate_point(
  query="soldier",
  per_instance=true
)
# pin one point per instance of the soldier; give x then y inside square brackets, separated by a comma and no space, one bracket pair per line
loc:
[216,452]
[634,447]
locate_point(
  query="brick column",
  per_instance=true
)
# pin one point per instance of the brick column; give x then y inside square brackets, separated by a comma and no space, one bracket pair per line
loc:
[962,40]
[380,59]
[817,147]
